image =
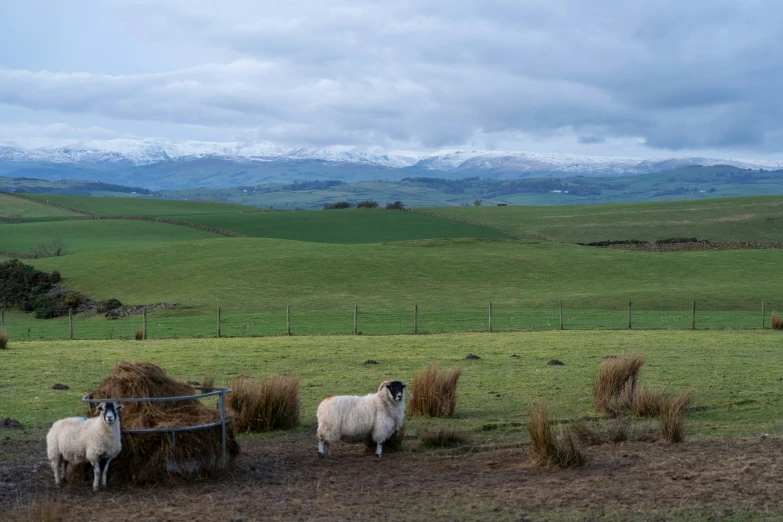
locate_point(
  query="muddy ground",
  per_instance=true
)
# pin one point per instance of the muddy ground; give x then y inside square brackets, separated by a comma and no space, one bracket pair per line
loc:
[282,479]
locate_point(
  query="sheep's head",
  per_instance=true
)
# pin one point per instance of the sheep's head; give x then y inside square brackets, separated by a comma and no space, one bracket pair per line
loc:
[396,389]
[110,411]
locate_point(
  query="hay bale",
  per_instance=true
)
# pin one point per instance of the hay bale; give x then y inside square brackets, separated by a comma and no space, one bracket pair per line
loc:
[152,458]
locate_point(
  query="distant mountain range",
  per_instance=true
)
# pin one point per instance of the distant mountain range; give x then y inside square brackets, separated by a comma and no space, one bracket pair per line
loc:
[162,164]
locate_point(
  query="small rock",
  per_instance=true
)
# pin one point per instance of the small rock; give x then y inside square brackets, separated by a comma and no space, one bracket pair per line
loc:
[555,362]
[514,356]
[59,386]
[471,356]
[11,424]
[370,361]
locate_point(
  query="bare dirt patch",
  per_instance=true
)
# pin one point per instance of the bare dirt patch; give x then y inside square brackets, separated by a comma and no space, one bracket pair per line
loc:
[282,479]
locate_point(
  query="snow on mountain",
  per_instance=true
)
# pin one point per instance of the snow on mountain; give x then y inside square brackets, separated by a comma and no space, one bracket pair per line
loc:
[153,151]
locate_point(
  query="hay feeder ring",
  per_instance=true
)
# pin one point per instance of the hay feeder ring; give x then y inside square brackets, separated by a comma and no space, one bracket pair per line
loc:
[208,392]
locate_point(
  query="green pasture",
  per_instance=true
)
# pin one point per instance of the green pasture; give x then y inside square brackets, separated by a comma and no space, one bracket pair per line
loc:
[86,236]
[19,208]
[148,207]
[342,226]
[728,219]
[249,275]
[734,375]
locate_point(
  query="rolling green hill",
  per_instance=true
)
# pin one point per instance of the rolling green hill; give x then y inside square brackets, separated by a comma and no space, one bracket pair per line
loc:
[253,274]
[148,207]
[23,208]
[725,219]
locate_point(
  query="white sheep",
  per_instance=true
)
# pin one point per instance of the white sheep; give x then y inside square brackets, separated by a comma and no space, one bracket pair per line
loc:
[350,418]
[77,439]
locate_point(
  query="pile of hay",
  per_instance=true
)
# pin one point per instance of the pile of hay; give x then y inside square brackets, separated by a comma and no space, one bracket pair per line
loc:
[152,458]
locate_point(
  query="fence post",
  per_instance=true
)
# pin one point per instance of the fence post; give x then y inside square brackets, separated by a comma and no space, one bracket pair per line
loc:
[288,319]
[490,317]
[70,323]
[415,319]
[629,315]
[355,319]
[762,314]
[218,322]
[144,325]
[561,315]
[693,315]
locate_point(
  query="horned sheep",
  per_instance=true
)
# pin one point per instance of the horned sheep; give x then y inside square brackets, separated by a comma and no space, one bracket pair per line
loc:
[77,439]
[350,418]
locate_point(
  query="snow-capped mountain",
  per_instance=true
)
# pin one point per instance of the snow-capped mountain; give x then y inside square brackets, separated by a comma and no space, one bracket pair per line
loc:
[158,164]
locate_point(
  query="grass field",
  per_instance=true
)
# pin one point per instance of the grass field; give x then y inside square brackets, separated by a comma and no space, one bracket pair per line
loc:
[733,374]
[119,206]
[86,236]
[729,219]
[267,274]
[19,208]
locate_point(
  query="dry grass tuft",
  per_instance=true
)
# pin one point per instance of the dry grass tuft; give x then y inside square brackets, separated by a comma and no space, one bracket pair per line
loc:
[616,432]
[548,448]
[672,418]
[3,340]
[648,402]
[272,405]
[139,334]
[777,322]
[442,437]
[152,458]
[434,392]
[208,381]
[41,510]
[615,387]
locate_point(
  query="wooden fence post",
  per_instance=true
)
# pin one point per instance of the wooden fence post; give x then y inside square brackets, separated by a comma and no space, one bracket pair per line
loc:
[693,315]
[70,323]
[561,315]
[288,319]
[490,317]
[218,322]
[415,319]
[355,319]
[629,315]
[762,314]
[144,325]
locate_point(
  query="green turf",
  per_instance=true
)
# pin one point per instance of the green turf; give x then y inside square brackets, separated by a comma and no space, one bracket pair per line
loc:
[733,374]
[121,206]
[19,208]
[725,219]
[249,275]
[342,226]
[85,236]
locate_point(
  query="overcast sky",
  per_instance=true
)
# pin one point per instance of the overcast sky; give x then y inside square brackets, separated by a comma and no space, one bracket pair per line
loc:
[604,77]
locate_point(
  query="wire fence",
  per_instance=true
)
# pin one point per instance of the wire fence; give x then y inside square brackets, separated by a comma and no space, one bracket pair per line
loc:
[353,320]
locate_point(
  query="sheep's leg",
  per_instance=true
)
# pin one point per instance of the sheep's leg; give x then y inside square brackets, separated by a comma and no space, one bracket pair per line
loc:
[321,448]
[105,472]
[56,468]
[64,474]
[96,469]
[378,449]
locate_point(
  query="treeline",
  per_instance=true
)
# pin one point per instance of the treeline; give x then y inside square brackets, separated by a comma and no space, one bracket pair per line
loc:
[312,185]
[367,203]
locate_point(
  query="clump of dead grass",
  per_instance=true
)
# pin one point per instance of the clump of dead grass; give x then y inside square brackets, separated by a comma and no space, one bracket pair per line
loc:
[3,340]
[434,392]
[777,321]
[615,387]
[616,432]
[672,418]
[153,457]
[648,402]
[442,437]
[139,334]
[550,448]
[208,381]
[271,405]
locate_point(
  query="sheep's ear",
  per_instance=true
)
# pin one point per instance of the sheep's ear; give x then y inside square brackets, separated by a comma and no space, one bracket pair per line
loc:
[405,385]
[384,384]
[118,406]
[101,406]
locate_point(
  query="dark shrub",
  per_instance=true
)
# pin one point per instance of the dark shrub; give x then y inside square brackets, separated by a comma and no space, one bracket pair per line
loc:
[108,305]
[397,205]
[337,206]
[54,277]
[367,203]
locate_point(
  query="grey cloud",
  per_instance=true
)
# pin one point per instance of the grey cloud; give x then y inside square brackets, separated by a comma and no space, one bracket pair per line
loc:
[428,74]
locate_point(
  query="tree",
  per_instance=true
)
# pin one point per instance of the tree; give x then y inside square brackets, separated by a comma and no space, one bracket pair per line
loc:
[477,203]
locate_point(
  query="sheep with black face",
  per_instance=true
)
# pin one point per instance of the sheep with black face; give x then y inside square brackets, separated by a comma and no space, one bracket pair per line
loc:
[77,439]
[351,418]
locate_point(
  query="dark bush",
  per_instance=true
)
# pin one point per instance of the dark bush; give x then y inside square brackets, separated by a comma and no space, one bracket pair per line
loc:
[108,305]
[337,206]
[54,277]
[73,300]
[670,240]
[367,203]
[397,205]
